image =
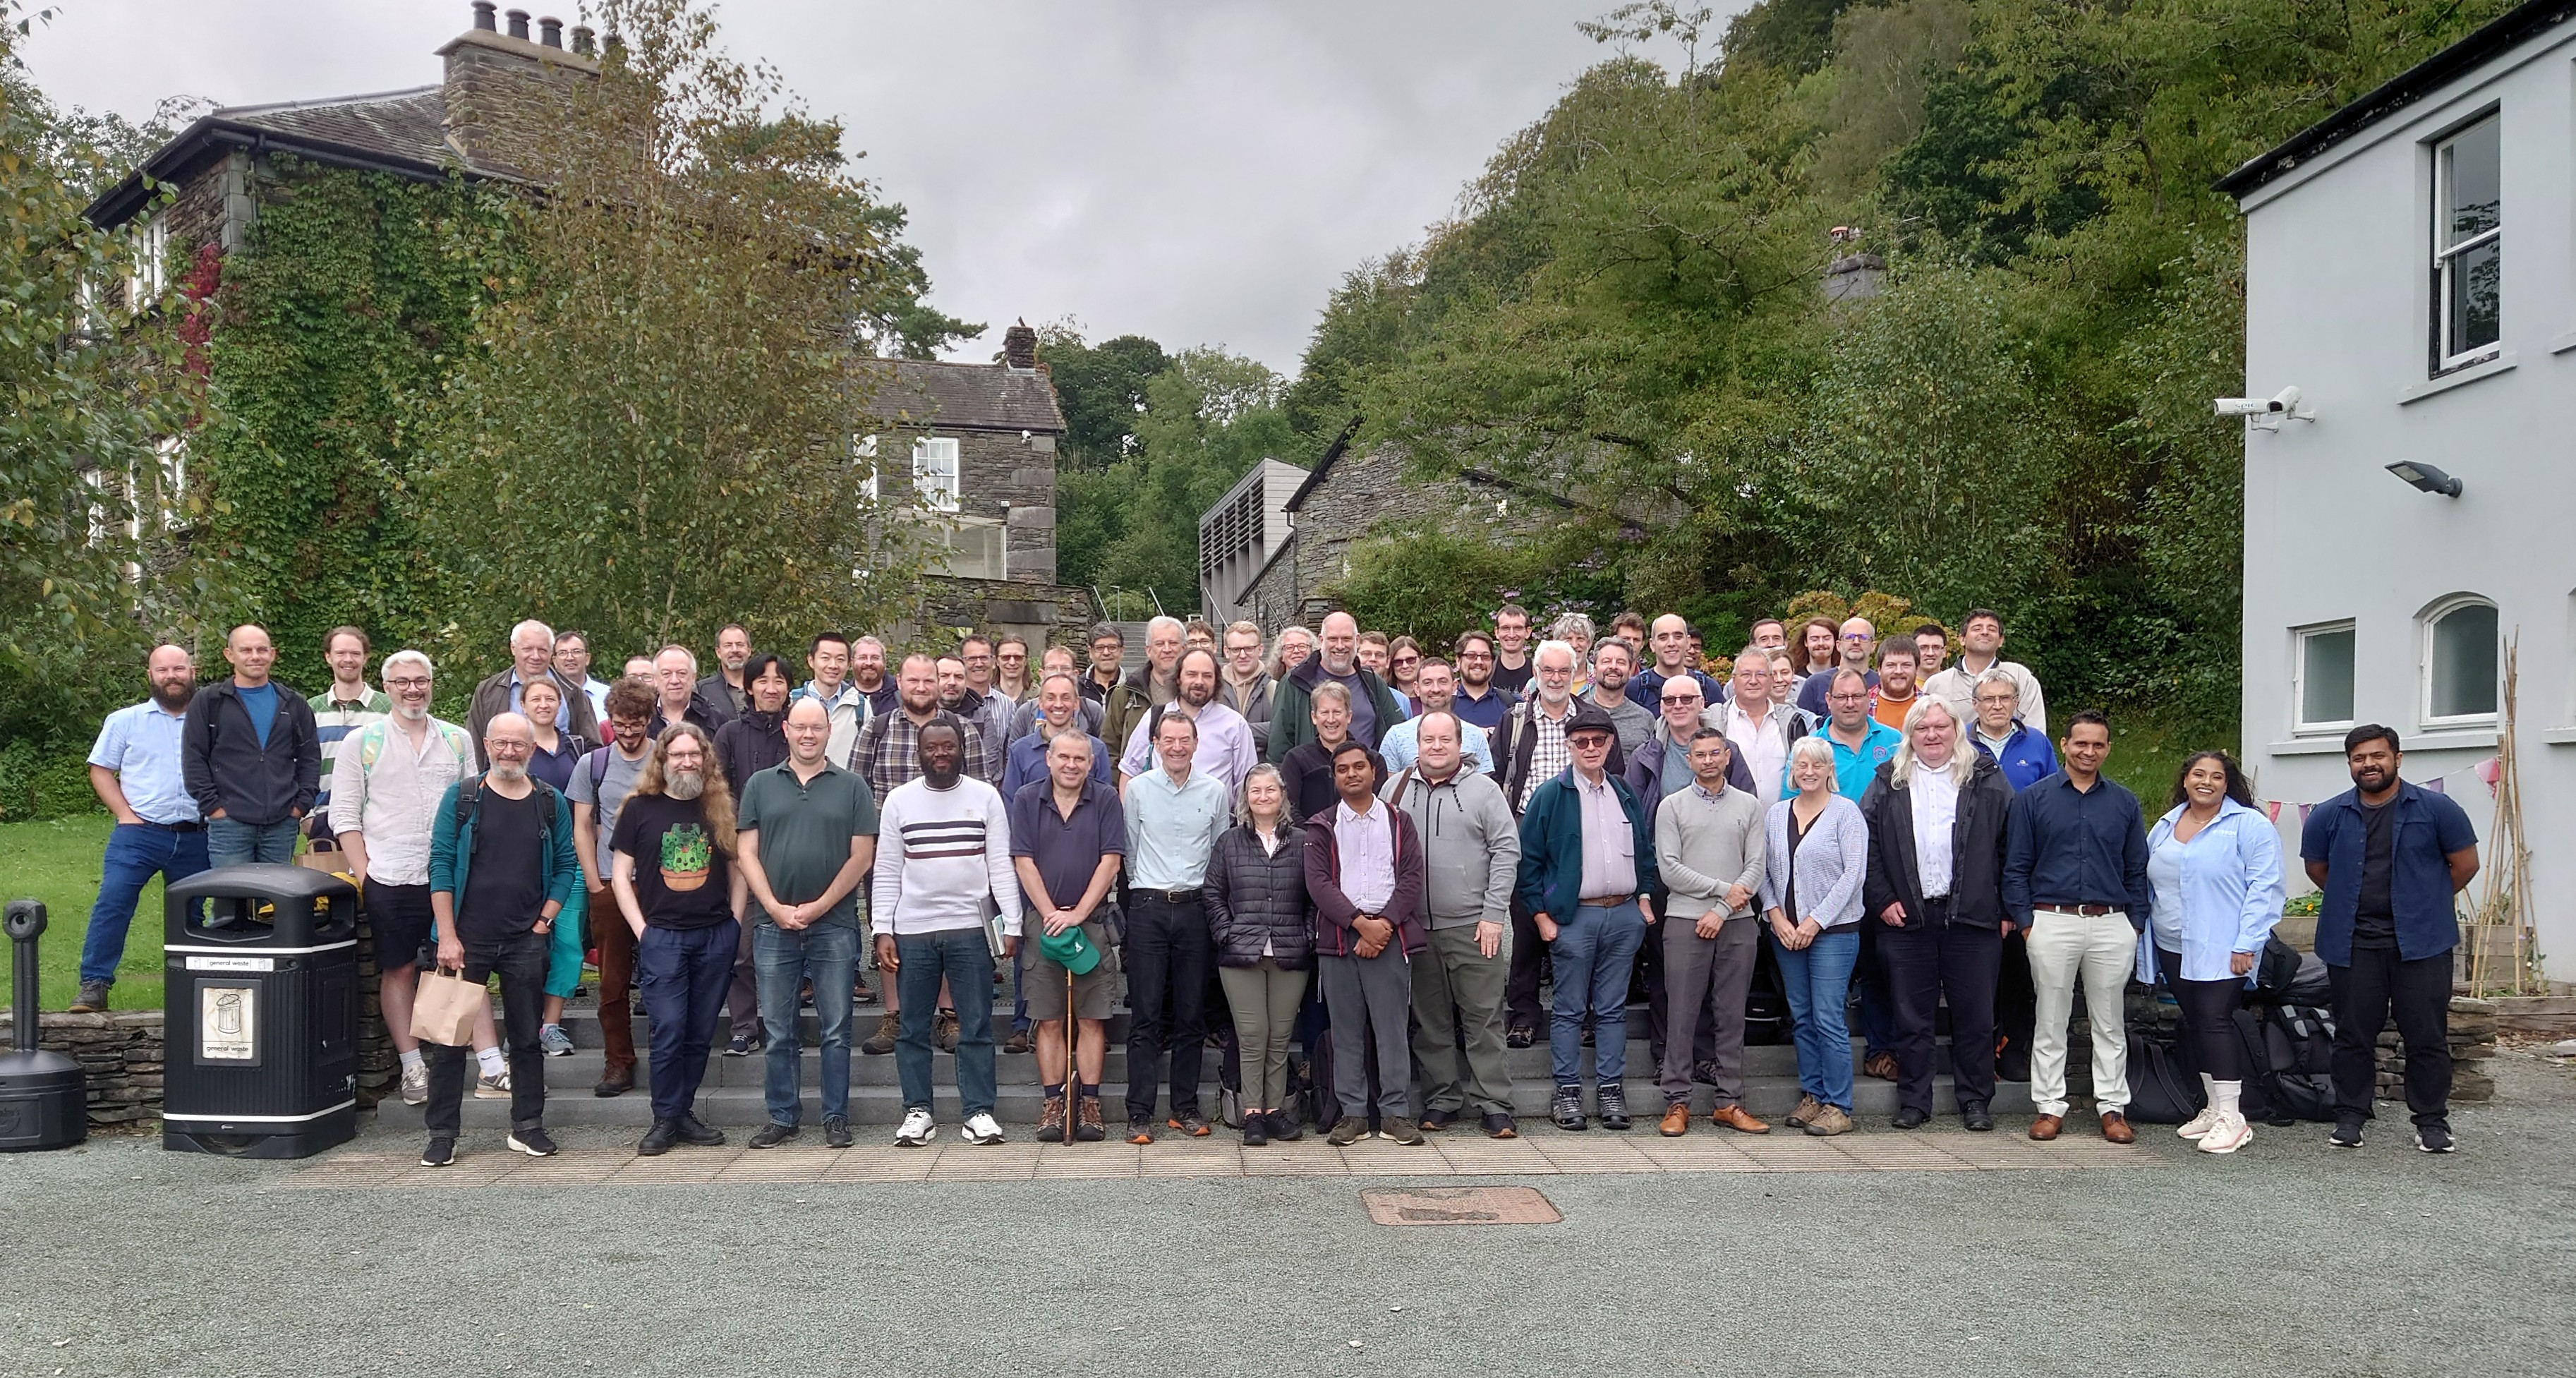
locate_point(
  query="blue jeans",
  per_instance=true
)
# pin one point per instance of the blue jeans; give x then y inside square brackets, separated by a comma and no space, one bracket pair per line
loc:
[136,852]
[239,844]
[1818,978]
[830,954]
[684,973]
[965,960]
[1595,949]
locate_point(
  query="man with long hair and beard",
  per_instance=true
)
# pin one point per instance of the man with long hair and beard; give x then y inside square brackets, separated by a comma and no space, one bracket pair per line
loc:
[682,897]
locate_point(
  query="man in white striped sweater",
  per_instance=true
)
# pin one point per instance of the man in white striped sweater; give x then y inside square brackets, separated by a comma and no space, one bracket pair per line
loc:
[943,845]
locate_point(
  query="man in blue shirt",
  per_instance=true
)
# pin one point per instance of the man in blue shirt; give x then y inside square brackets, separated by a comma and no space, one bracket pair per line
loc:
[135,769]
[1861,745]
[1173,817]
[1480,702]
[252,756]
[2389,856]
[2075,877]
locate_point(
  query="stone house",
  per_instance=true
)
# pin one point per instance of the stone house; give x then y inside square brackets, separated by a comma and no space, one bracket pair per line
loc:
[981,438]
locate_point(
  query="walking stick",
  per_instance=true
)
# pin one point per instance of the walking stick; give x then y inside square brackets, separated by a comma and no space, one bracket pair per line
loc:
[1072,1065]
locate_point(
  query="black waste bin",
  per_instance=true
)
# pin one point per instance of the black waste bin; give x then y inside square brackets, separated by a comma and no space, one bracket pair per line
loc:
[261,980]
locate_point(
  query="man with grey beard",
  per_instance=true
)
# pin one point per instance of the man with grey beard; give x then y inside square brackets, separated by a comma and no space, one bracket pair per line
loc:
[502,866]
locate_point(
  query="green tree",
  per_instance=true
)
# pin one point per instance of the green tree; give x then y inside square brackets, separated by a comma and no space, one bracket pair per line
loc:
[1101,388]
[653,431]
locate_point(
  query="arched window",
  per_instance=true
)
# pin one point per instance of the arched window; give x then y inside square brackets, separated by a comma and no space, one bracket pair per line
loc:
[2460,685]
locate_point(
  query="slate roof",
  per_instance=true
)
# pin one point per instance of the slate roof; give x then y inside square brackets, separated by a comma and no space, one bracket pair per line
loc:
[971,397]
[401,132]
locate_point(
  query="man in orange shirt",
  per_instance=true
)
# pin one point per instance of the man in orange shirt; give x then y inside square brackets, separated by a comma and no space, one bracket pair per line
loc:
[1895,695]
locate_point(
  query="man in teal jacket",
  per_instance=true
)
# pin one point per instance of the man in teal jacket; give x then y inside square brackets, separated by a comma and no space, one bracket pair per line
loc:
[1587,875]
[502,871]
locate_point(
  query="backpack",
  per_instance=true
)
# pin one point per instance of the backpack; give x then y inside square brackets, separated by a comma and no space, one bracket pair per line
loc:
[372,738]
[2159,1090]
[2288,1057]
[469,809]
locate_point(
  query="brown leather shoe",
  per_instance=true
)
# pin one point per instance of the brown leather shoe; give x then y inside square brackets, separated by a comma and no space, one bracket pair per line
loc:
[1735,1117]
[615,1082]
[1676,1120]
[2115,1127]
[2045,1127]
[1881,1066]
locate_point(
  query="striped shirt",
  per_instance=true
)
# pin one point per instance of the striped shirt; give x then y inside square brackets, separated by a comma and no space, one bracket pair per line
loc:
[940,855]
[335,718]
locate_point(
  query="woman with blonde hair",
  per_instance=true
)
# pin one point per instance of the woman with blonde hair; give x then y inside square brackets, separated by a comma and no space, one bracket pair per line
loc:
[679,892]
[1817,856]
[1256,908]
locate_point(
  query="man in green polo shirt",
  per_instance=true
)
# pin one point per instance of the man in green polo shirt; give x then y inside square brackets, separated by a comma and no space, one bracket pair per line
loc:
[808,833]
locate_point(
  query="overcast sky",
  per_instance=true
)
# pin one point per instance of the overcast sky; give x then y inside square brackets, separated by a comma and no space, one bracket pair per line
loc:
[1199,173]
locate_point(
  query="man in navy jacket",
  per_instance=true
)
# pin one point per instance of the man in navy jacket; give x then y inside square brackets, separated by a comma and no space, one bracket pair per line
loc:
[2389,856]
[251,756]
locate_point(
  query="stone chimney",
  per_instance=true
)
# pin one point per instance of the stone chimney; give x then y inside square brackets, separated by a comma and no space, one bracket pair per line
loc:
[1020,347]
[500,88]
[1854,273]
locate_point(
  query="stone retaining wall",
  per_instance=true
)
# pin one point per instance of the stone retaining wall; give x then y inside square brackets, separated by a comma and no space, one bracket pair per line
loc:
[122,1054]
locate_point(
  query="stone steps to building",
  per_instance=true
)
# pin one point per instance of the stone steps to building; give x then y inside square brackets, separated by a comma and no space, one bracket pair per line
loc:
[731,1092]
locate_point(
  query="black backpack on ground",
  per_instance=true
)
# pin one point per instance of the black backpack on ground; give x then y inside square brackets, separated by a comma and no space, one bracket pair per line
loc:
[2288,1053]
[2160,1091]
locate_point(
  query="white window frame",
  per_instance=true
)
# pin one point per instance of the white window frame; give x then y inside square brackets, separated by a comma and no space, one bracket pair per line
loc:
[149,275]
[935,463]
[2447,254]
[2428,626]
[2300,637]
[863,450]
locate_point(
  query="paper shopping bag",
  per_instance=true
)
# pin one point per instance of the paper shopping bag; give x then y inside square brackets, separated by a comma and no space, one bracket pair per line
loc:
[443,1012]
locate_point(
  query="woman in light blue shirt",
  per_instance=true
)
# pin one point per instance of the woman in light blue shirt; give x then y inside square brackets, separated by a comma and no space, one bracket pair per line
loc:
[2214,864]
[1817,852]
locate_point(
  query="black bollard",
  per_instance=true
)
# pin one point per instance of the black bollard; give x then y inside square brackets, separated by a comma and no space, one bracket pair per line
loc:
[44,1097]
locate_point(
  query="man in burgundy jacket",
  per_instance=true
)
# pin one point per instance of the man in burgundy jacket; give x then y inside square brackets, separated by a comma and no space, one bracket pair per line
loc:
[1364,877]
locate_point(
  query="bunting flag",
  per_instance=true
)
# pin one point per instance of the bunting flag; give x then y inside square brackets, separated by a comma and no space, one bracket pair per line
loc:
[2435,784]
[2304,811]
[2489,770]
[2274,809]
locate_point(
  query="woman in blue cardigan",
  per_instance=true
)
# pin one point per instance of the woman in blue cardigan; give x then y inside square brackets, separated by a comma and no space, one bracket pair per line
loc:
[1817,854]
[2214,864]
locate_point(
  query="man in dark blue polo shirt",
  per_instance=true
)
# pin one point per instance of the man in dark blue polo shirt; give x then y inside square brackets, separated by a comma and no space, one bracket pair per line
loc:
[1068,836]
[2389,856]
[2075,878]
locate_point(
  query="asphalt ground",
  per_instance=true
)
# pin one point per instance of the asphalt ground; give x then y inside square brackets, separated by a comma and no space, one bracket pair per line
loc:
[2289,1258]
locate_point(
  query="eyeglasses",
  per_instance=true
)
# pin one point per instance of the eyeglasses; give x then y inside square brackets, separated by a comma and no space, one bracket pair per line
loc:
[408,682]
[1400,662]
[1855,636]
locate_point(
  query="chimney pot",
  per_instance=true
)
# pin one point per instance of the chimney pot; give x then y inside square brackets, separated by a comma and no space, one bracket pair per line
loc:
[581,39]
[483,11]
[1020,346]
[550,32]
[518,23]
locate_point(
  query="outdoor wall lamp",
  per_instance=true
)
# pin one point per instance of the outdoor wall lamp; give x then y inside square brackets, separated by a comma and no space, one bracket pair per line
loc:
[2426,478]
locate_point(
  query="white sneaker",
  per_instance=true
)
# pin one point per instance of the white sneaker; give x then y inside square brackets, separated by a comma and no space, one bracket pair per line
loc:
[2201,1123]
[917,1129]
[415,1083]
[981,1128]
[492,1087]
[2228,1135]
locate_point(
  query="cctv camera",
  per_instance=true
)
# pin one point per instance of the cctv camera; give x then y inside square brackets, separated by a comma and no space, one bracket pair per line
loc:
[2243,406]
[2266,413]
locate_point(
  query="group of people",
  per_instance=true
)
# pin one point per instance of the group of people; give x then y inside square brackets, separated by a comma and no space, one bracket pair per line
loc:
[1330,839]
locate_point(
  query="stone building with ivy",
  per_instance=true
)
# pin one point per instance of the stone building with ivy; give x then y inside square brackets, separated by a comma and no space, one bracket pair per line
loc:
[322,228]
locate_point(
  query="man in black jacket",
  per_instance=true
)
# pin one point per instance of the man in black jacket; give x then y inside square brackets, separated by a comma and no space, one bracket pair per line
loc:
[1935,885]
[532,653]
[251,756]
[675,674]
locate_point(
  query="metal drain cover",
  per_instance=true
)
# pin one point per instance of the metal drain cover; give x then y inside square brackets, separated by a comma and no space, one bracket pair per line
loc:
[1460,1206]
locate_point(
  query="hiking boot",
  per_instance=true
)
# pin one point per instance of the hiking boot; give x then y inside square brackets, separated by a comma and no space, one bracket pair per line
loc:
[1051,1121]
[1880,1065]
[881,1042]
[615,1082]
[1520,1036]
[1087,1125]
[1018,1042]
[1401,1130]
[693,1130]
[1610,1099]
[1828,1121]
[93,998]
[1807,1108]
[1284,1128]
[836,1132]
[1256,1130]
[1566,1108]
[658,1140]
[943,1031]
[1350,1129]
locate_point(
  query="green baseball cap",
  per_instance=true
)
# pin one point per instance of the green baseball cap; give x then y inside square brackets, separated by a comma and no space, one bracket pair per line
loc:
[1071,950]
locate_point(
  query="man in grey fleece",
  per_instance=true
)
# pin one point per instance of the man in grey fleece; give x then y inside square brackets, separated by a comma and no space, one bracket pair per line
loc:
[1709,850]
[1471,848]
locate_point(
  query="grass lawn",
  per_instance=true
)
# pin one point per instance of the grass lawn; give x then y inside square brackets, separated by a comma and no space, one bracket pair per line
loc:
[57,862]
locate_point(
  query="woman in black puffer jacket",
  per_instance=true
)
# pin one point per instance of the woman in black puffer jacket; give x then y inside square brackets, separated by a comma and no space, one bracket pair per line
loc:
[1256,907]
